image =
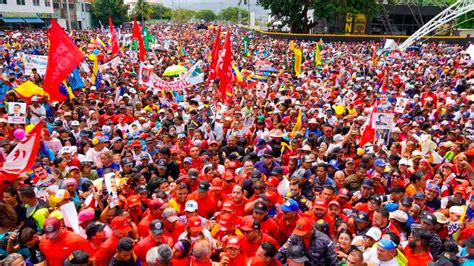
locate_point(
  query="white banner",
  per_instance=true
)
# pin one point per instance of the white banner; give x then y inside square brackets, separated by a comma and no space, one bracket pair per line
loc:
[112,64]
[190,78]
[35,61]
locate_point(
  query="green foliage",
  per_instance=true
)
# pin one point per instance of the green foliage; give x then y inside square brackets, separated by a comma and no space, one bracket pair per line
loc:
[160,12]
[294,13]
[142,10]
[182,15]
[232,14]
[206,15]
[466,21]
[102,9]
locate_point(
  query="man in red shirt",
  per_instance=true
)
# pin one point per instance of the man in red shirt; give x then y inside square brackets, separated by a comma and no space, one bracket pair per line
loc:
[239,200]
[319,212]
[154,238]
[121,227]
[254,237]
[287,220]
[260,214]
[207,204]
[382,221]
[172,227]
[58,243]
[417,251]
[155,210]
[234,255]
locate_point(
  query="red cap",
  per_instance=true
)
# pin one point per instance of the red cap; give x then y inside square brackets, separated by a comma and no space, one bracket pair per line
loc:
[226,222]
[216,184]
[157,204]
[334,202]
[91,96]
[136,143]
[272,181]
[51,225]
[249,224]
[303,226]
[344,192]
[460,189]
[121,224]
[228,175]
[195,224]
[228,206]
[320,204]
[133,200]
[233,242]
[271,196]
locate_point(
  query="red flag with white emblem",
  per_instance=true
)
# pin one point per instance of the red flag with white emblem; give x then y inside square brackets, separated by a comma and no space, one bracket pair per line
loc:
[224,70]
[23,156]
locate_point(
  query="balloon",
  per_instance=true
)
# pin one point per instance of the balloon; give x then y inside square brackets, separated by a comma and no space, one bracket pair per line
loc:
[100,56]
[29,127]
[339,109]
[96,51]
[19,134]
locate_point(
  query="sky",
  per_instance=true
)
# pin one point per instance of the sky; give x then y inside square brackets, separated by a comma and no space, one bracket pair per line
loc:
[214,5]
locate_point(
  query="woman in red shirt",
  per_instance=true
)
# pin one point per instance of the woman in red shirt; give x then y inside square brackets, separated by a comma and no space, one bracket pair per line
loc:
[181,253]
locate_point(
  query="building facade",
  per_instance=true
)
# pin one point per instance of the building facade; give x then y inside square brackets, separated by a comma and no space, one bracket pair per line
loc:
[25,13]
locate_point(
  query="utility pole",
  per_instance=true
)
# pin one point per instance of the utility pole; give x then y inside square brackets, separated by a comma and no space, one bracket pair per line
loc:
[69,28]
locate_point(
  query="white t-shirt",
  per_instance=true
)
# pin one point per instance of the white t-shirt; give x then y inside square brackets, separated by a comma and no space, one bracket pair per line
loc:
[40,110]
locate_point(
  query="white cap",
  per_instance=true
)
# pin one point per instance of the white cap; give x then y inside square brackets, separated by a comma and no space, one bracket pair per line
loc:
[93,88]
[399,215]
[374,233]
[132,90]
[337,138]
[458,210]
[191,206]
[34,98]
[75,123]
[65,149]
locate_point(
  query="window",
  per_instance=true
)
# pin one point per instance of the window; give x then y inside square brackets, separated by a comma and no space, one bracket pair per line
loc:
[20,2]
[36,2]
[47,3]
[3,2]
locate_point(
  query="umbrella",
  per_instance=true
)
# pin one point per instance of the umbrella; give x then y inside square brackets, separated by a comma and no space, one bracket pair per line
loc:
[269,69]
[174,70]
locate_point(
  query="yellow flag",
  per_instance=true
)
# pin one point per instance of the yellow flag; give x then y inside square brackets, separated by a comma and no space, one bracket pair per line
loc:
[298,124]
[95,70]
[318,55]
[28,89]
[292,45]
[298,61]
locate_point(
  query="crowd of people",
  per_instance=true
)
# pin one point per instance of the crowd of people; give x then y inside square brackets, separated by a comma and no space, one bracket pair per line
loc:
[280,174]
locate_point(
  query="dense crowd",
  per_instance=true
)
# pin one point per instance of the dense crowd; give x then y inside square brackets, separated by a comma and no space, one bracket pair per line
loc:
[276,175]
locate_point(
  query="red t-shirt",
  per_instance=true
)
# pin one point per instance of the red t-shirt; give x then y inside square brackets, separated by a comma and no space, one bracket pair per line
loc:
[179,228]
[58,250]
[142,247]
[206,206]
[251,248]
[417,259]
[105,252]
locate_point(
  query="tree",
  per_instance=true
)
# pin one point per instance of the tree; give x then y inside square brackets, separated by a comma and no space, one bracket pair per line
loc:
[294,13]
[142,9]
[232,14]
[206,15]
[102,9]
[182,15]
[160,12]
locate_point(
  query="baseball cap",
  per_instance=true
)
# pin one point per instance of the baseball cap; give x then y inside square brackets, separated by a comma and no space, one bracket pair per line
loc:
[303,226]
[75,123]
[419,195]
[308,159]
[156,227]
[344,192]
[156,204]
[380,162]
[458,210]
[367,183]
[399,215]
[260,207]
[250,224]
[460,189]
[334,202]
[121,223]
[140,189]
[191,206]
[170,214]
[374,233]
[272,181]
[428,218]
[144,156]
[162,164]
[290,205]
[228,206]
[320,204]
[277,170]
[405,200]
[432,187]
[195,224]
[268,153]
[188,160]
[440,218]
[77,257]
[51,226]
[203,186]
[85,215]
[362,217]
[225,222]
[193,173]
[233,242]
[61,195]
[133,201]
[334,164]
[387,244]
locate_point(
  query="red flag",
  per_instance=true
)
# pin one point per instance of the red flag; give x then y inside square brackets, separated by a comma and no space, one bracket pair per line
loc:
[23,156]
[115,45]
[63,57]
[225,70]
[137,34]
[369,131]
[215,56]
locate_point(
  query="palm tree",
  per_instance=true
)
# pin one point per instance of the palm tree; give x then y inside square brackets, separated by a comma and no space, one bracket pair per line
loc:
[142,9]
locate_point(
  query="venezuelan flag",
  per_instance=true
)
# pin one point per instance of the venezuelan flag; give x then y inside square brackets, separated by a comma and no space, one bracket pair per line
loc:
[237,75]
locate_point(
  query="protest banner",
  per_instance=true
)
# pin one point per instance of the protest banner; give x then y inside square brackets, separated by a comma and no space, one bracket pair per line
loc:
[35,61]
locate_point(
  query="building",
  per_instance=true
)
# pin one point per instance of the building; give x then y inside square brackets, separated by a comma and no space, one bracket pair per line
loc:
[79,13]
[16,14]
[131,4]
